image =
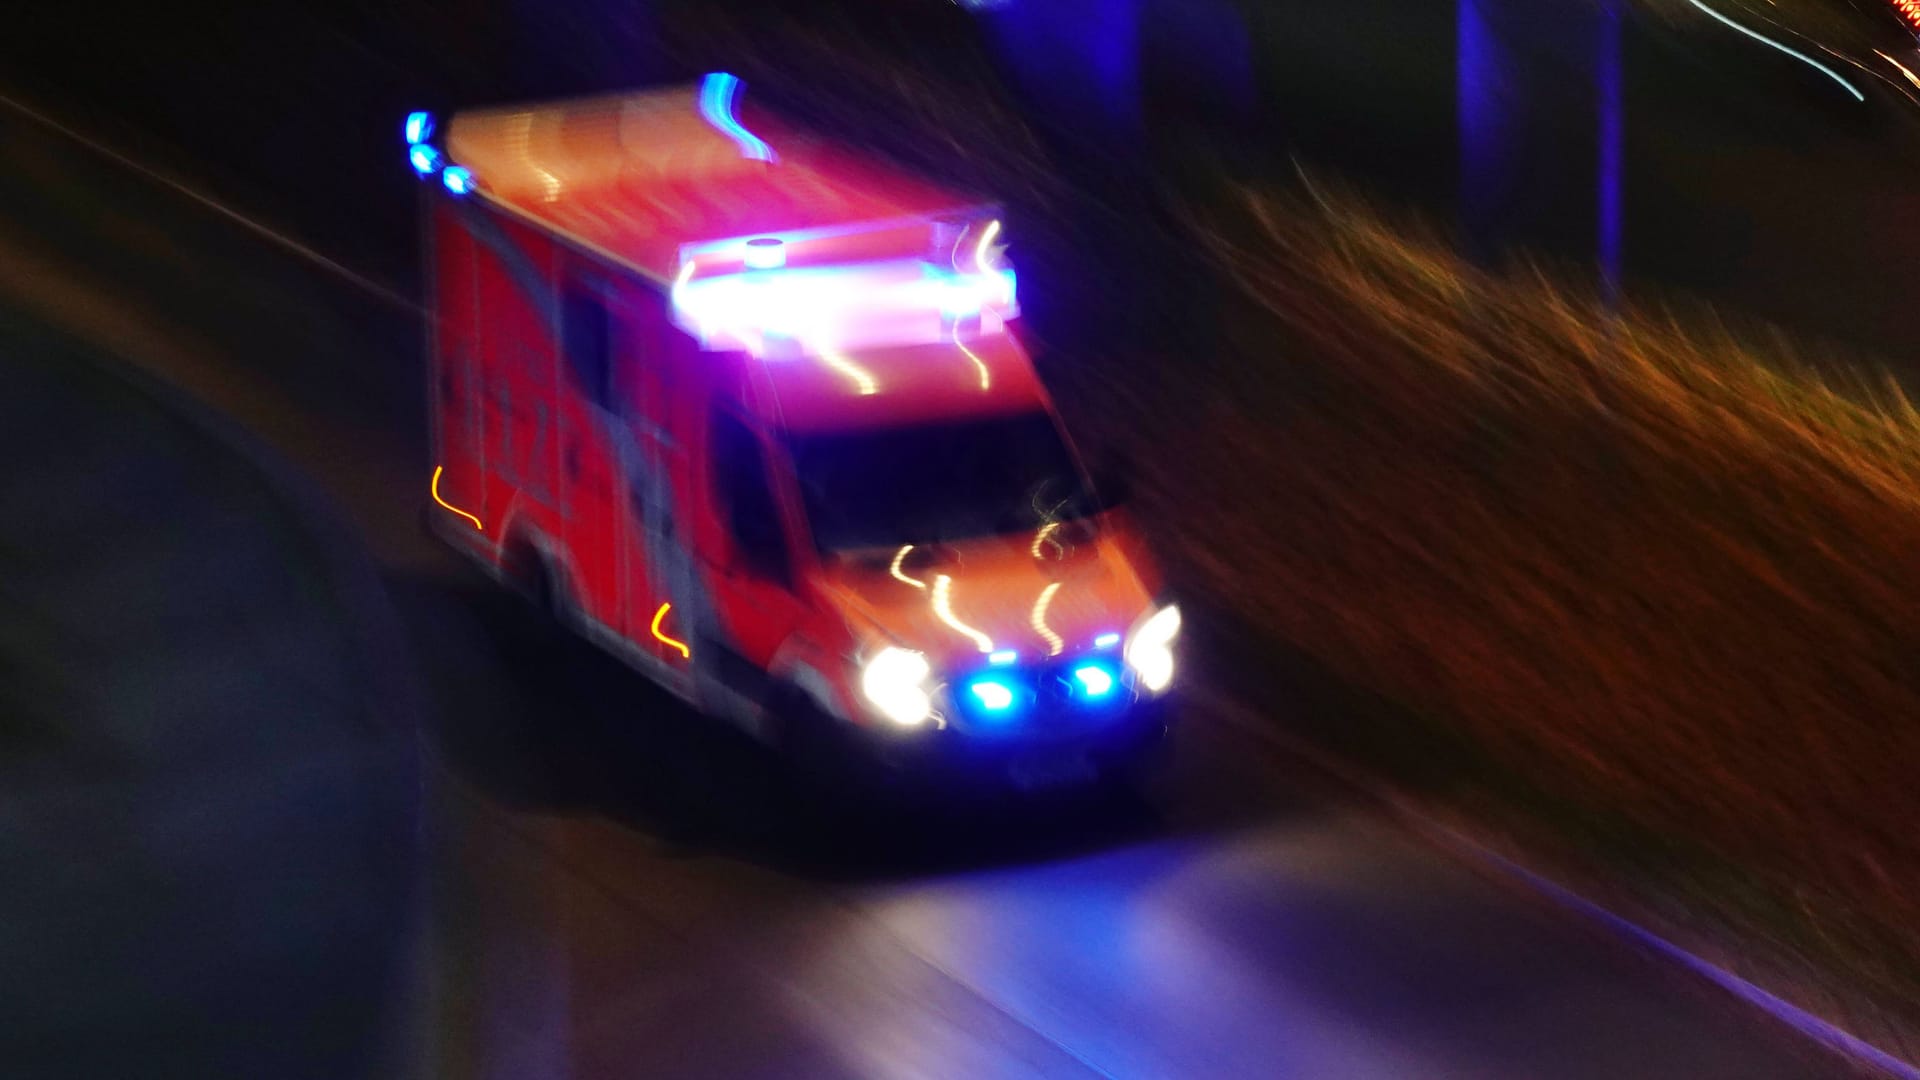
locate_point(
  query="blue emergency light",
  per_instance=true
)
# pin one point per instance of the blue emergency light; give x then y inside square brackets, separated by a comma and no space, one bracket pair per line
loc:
[418,128]
[994,696]
[1094,679]
[425,159]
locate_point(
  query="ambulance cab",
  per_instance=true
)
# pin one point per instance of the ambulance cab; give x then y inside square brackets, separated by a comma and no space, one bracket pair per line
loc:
[752,412]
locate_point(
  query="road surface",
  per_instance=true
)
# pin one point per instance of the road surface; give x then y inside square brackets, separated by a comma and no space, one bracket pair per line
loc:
[619,890]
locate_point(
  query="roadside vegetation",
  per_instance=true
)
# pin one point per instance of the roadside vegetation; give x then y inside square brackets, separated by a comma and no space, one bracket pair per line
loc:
[1646,585]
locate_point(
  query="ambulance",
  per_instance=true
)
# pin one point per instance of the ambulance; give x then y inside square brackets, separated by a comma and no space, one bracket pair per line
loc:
[751,412]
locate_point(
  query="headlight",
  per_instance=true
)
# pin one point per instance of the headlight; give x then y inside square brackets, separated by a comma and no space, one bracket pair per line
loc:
[1149,650]
[894,681]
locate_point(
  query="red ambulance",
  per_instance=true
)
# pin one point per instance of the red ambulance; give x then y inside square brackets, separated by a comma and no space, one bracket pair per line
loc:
[749,411]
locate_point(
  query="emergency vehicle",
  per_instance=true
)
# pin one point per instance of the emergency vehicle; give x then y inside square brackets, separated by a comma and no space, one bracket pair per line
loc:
[749,411]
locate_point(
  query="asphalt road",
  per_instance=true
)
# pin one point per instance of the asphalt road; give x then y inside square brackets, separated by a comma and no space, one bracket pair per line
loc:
[618,889]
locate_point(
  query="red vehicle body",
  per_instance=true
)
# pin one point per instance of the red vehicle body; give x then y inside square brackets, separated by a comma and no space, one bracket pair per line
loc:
[747,410]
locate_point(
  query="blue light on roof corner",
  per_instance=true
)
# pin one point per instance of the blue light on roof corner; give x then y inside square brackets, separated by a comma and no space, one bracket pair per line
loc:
[1107,640]
[716,104]
[418,128]
[458,179]
[1004,656]
[425,159]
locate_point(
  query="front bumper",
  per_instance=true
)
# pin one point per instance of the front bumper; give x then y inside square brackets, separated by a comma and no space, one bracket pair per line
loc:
[1041,756]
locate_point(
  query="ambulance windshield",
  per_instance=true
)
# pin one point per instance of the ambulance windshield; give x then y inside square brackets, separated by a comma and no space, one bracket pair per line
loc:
[933,483]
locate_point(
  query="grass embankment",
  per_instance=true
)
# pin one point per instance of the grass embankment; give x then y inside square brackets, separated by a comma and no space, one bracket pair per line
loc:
[1647,597]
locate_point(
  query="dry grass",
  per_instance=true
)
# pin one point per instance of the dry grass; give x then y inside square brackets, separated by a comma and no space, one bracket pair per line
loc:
[1673,585]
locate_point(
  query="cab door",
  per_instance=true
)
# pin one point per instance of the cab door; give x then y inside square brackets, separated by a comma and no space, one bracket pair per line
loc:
[590,464]
[458,380]
[754,565]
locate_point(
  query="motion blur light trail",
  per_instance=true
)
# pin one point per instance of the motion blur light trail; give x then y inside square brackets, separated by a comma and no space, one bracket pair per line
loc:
[1797,55]
[943,607]
[900,557]
[433,487]
[863,379]
[979,365]
[1038,617]
[1903,69]
[716,104]
[660,636]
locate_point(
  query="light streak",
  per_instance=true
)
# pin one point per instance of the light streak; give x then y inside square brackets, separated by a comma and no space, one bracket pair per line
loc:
[685,275]
[520,137]
[900,557]
[943,607]
[986,377]
[861,377]
[980,249]
[685,653]
[716,104]
[1039,620]
[1904,69]
[1802,57]
[1041,537]
[434,487]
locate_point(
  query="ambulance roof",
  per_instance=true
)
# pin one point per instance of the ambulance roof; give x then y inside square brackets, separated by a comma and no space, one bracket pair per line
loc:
[950,380]
[642,175]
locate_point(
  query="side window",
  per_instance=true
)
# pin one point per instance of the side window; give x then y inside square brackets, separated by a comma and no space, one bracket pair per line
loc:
[745,494]
[586,338]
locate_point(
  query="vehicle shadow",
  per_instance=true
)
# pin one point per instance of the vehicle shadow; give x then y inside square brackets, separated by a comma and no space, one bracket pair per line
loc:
[539,721]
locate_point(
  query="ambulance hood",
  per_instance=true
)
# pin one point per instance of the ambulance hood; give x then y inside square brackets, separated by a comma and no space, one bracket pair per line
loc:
[1044,593]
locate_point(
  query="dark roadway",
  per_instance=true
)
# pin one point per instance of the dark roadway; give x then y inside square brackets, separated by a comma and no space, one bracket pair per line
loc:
[617,890]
